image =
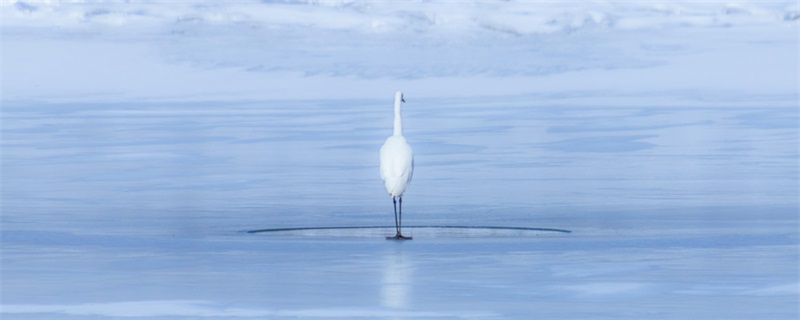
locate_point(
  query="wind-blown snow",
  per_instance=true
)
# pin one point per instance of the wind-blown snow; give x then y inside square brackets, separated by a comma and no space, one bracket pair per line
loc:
[141,139]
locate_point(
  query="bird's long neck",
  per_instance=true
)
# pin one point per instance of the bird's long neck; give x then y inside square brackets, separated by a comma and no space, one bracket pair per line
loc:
[398,121]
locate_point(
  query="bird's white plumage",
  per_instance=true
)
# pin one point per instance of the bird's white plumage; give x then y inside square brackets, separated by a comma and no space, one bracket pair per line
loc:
[397,165]
[397,158]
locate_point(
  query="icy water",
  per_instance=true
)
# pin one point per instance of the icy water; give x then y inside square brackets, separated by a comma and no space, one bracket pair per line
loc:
[575,159]
[143,210]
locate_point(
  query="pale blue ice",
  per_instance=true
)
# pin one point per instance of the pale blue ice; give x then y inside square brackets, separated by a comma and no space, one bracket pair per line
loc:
[142,141]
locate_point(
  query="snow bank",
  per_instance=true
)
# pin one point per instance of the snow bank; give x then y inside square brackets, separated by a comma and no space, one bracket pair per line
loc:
[121,50]
[513,17]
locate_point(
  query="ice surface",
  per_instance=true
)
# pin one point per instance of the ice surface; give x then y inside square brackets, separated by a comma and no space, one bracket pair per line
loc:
[142,140]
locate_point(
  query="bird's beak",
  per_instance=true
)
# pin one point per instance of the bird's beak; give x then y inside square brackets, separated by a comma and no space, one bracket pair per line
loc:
[403,99]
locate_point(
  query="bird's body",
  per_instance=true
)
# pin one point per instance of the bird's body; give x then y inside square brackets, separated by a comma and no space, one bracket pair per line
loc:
[397,164]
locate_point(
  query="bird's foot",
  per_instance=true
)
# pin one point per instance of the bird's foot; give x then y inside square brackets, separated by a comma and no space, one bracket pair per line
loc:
[399,236]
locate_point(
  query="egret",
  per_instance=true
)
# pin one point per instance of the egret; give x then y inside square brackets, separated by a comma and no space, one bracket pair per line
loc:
[397,166]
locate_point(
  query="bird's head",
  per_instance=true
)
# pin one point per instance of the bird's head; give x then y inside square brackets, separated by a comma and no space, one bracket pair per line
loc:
[398,96]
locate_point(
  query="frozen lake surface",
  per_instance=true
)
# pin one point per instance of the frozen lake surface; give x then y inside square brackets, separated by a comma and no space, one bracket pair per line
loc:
[644,158]
[142,210]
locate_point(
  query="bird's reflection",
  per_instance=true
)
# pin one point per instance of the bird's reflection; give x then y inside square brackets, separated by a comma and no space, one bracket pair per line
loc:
[396,281]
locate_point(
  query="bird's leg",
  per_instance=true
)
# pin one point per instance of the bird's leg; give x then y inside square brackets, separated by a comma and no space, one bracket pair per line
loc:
[400,223]
[396,221]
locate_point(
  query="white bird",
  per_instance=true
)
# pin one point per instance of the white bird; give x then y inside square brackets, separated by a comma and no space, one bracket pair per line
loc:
[397,165]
